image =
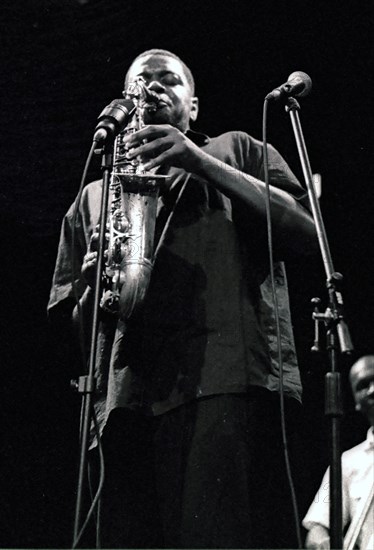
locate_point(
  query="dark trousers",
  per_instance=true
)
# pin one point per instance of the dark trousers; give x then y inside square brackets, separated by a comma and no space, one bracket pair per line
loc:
[209,474]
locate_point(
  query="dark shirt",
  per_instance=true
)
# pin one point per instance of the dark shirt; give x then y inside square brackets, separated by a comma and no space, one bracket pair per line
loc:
[207,324]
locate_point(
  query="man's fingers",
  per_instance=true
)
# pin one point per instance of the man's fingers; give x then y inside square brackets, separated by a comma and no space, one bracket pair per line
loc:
[150,149]
[150,132]
[90,257]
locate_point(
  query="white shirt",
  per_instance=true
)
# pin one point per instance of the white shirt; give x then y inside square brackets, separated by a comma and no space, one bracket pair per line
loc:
[357,479]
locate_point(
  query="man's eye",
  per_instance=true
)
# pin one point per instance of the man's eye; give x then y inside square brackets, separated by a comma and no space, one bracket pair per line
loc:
[170,79]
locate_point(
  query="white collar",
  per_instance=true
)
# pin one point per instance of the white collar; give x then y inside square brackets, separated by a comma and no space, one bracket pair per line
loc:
[370,439]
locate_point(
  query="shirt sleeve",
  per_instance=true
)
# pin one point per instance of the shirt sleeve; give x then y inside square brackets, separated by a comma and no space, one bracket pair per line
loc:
[319,510]
[280,174]
[291,212]
[69,257]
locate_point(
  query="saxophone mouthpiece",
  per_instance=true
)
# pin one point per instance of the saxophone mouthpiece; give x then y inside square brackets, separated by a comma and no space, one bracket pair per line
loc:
[152,99]
[139,91]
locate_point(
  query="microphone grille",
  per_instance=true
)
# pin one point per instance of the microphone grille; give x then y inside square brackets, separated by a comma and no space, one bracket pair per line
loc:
[306,80]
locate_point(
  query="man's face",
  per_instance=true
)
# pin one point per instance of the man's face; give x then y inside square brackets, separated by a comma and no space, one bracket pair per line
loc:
[362,381]
[165,76]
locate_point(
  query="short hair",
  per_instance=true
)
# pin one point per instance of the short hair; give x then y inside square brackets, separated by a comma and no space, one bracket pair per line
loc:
[166,53]
[361,363]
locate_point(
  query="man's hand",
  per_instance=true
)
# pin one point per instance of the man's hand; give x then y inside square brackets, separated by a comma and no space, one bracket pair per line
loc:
[164,144]
[88,269]
[318,538]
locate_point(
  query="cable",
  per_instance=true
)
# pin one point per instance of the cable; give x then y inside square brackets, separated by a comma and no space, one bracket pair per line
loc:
[277,325]
[73,262]
[96,499]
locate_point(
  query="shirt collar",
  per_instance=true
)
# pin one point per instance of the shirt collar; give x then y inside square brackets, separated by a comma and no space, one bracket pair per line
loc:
[370,439]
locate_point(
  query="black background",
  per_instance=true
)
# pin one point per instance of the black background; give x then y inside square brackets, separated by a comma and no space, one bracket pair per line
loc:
[63,61]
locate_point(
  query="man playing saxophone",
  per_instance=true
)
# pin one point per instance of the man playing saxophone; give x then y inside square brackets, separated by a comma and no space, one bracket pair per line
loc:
[187,388]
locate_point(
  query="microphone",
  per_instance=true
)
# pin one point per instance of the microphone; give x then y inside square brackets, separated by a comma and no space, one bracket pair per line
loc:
[114,119]
[298,84]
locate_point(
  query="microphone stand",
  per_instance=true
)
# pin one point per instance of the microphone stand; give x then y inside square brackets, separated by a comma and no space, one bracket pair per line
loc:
[86,384]
[338,336]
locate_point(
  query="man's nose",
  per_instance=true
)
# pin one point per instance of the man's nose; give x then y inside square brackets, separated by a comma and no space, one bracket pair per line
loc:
[156,86]
[371,388]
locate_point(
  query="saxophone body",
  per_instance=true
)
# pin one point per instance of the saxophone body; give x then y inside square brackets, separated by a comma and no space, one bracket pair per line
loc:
[131,219]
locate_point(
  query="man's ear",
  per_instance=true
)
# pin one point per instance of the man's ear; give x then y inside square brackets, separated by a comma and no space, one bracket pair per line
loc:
[194,108]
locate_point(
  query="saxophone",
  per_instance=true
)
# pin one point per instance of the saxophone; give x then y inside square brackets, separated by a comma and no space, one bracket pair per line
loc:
[131,217]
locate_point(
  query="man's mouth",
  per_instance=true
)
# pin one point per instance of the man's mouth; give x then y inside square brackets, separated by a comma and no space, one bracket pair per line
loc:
[153,108]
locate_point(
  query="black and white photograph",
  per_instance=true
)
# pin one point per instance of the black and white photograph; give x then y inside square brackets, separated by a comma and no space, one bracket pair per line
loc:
[187,295]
